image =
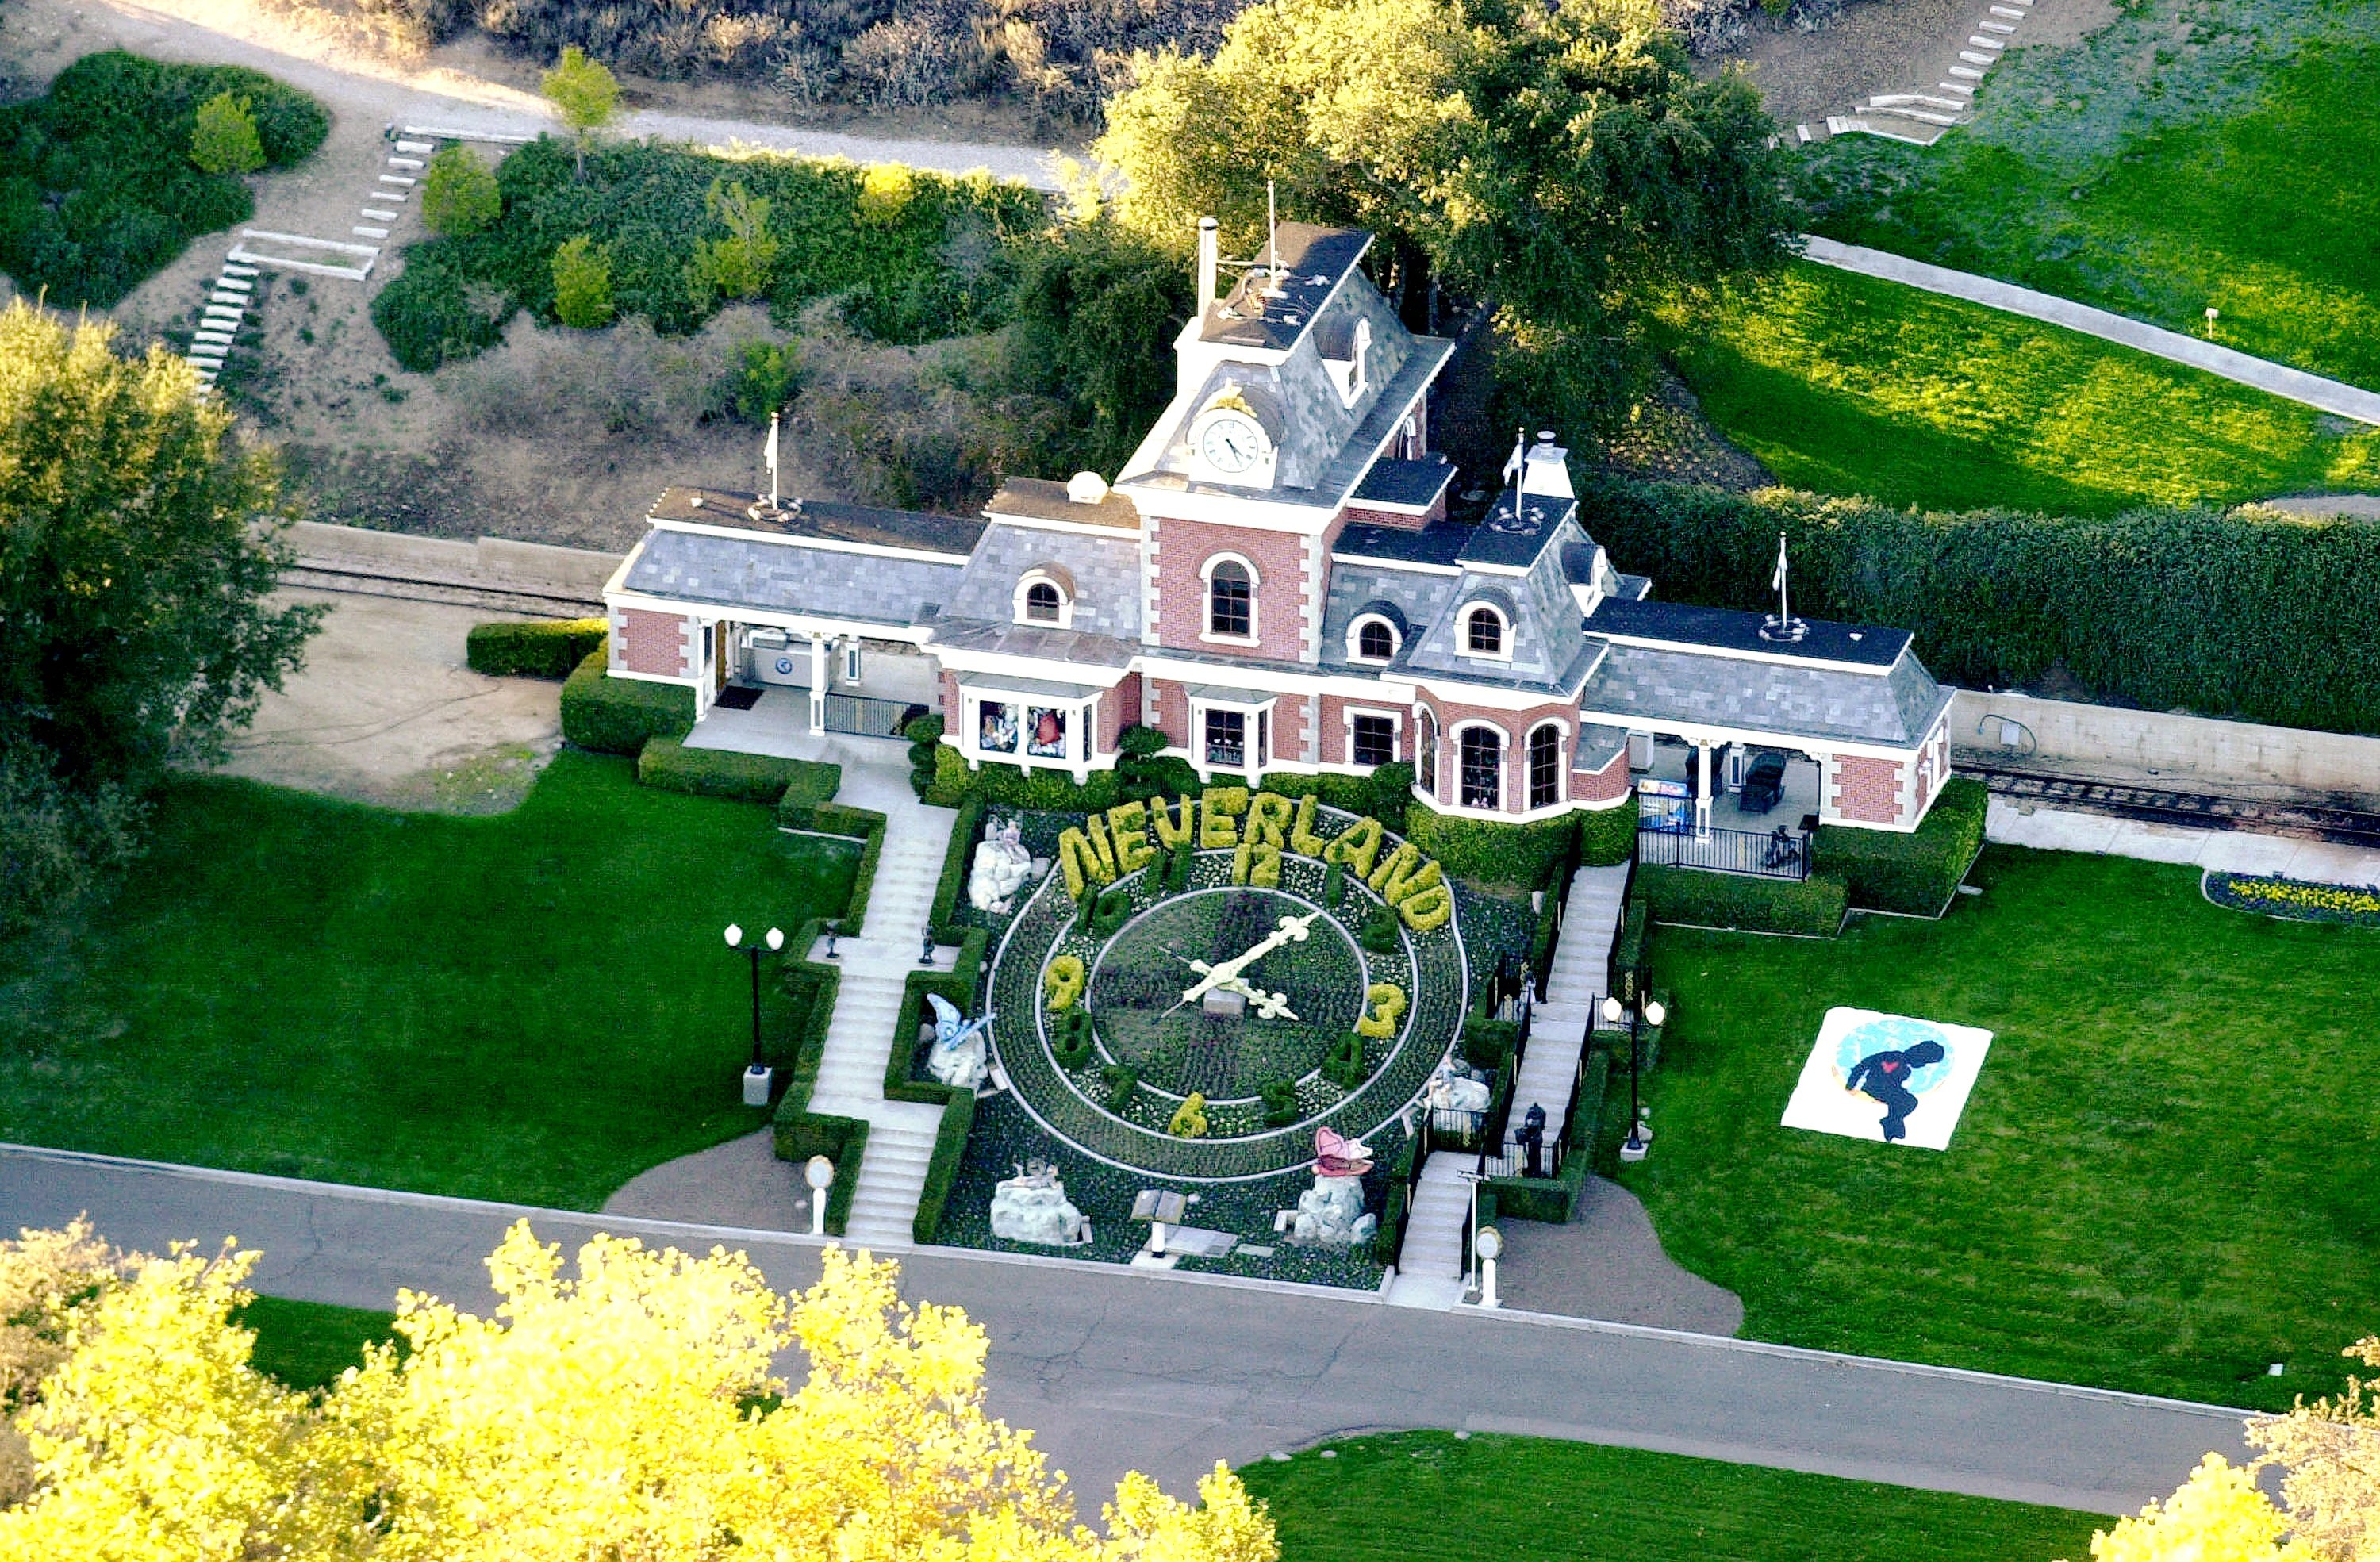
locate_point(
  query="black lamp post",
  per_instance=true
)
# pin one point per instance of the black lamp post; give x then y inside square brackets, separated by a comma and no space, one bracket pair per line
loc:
[774,940]
[1644,1012]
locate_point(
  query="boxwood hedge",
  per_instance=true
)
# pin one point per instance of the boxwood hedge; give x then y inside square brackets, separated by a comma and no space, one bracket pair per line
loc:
[1814,906]
[666,763]
[617,715]
[1914,873]
[544,647]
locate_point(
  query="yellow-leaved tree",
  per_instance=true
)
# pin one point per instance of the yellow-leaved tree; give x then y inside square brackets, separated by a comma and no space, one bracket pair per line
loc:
[630,1411]
[2328,1456]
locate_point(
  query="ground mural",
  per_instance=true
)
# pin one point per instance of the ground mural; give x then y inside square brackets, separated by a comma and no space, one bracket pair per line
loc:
[1888,1077]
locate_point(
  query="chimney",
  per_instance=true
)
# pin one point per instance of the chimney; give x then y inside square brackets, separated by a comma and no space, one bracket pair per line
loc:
[1209,261]
[1546,469]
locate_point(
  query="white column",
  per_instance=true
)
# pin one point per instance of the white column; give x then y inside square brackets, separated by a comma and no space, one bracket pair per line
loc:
[818,685]
[1703,789]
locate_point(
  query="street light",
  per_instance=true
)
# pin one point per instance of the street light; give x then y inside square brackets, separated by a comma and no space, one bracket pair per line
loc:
[1645,1012]
[1489,1243]
[758,1076]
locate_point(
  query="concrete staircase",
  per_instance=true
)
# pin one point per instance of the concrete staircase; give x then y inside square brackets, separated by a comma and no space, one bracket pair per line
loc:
[1429,1266]
[1559,1026]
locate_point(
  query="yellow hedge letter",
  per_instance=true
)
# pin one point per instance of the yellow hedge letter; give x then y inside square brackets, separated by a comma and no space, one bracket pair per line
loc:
[1398,879]
[1128,822]
[1257,863]
[1269,818]
[1301,839]
[1426,909]
[1064,982]
[1172,831]
[1218,824]
[1357,847]
[1082,864]
[1189,1121]
[1384,1005]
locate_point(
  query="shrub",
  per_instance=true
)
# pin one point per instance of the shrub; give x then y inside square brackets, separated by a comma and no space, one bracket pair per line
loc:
[459,195]
[1069,1037]
[1490,852]
[1334,885]
[1120,1083]
[1280,1099]
[842,1140]
[716,773]
[804,803]
[434,312]
[943,1167]
[223,138]
[616,715]
[58,842]
[540,648]
[1379,933]
[765,378]
[740,263]
[885,191]
[1393,795]
[1628,949]
[1915,874]
[1814,906]
[1487,1043]
[1354,793]
[1343,1064]
[2248,613]
[582,284]
[1607,837]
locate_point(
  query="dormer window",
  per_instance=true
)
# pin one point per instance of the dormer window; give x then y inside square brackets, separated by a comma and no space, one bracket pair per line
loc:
[1346,348]
[1484,633]
[1045,596]
[1372,638]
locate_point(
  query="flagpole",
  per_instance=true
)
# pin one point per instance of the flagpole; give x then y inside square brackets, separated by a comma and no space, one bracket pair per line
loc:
[772,460]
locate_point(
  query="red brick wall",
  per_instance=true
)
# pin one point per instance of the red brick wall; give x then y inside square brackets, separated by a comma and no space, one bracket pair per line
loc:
[1172,712]
[1609,784]
[1119,709]
[1865,790]
[1358,515]
[954,721]
[1183,547]
[1516,725]
[653,643]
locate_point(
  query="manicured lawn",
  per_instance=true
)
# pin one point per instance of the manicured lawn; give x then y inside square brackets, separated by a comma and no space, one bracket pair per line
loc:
[2222,158]
[2164,1179]
[1424,1497]
[309,1344]
[1849,385]
[532,1007]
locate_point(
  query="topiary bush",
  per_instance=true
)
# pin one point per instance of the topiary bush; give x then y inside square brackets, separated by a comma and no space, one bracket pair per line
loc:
[1392,787]
[1121,1082]
[1343,1064]
[1280,1099]
[617,715]
[1069,1037]
[1916,874]
[547,648]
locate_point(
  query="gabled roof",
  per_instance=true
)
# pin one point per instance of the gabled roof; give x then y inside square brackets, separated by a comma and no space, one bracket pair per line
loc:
[1657,685]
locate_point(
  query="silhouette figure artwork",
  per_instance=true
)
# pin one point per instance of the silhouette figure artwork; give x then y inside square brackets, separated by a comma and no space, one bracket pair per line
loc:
[1920,1071]
[1885,1076]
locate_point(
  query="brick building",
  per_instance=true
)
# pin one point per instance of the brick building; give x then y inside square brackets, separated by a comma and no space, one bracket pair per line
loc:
[1273,582]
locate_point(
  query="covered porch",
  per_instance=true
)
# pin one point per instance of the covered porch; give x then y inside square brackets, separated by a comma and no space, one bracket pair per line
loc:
[1732,807]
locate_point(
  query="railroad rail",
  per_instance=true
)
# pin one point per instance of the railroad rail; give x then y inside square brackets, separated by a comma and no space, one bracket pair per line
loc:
[2310,821]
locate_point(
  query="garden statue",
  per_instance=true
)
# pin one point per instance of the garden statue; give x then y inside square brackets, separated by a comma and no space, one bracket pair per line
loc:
[1001,867]
[1533,1137]
[1337,1155]
[1031,1207]
[1330,1214]
[962,1055]
[1454,1088]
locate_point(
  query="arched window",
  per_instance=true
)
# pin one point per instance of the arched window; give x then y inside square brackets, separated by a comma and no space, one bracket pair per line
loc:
[1042,603]
[1483,767]
[1426,760]
[1483,632]
[1231,600]
[1375,640]
[1545,766]
[1045,594]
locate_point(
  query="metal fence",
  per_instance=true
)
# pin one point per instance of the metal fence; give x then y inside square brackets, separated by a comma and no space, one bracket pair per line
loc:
[865,716]
[1780,853]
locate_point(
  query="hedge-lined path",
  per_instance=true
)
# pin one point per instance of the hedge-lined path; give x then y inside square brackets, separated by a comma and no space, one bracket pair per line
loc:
[1116,1368]
[2278,378]
[1558,1030]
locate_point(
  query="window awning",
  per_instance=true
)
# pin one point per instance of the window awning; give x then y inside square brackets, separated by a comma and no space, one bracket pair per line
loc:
[1029,688]
[1218,695]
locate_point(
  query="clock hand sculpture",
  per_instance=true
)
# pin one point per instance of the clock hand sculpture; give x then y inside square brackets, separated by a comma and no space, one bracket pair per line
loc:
[1226,975]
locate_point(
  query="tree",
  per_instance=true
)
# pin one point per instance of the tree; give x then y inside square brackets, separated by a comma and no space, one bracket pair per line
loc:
[1094,307]
[1559,162]
[584,93]
[739,264]
[582,284]
[459,197]
[139,551]
[225,140]
[631,1411]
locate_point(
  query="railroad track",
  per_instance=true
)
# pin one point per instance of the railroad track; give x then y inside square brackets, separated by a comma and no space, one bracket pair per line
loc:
[2310,821]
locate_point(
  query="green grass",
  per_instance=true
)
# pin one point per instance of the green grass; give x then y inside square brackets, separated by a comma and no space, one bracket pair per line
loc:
[309,1344]
[2163,1181]
[1845,384]
[1424,1497]
[533,1006]
[2234,171]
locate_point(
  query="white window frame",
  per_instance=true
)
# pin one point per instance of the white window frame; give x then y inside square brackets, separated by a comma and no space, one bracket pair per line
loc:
[1503,763]
[1207,633]
[1395,718]
[1355,639]
[852,664]
[1025,585]
[1562,764]
[1504,651]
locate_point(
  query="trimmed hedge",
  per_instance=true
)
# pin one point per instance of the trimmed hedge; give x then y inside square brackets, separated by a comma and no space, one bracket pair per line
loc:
[966,830]
[950,782]
[667,764]
[901,1081]
[1489,852]
[1390,1235]
[1607,837]
[617,715]
[942,1169]
[1628,949]
[1916,874]
[2247,612]
[544,647]
[1814,906]
[1487,1043]
[841,1140]
[805,800]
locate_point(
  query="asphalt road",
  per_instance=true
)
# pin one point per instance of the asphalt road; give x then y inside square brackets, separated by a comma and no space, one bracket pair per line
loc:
[1118,1370]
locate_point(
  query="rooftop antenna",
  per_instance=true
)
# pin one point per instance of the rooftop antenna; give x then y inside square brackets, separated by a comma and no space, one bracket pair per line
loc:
[1273,287]
[1782,625]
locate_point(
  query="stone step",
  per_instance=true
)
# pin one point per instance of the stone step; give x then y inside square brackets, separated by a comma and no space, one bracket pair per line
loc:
[233,300]
[1966,73]
[417,146]
[212,339]
[379,216]
[1974,58]
[1964,89]
[406,180]
[1905,100]
[1926,115]
[404,163]
[2009,11]
[236,284]
[1980,41]
[362,232]
[234,268]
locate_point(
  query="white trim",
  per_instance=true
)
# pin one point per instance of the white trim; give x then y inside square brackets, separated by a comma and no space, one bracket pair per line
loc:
[680,681]
[1207,634]
[1463,646]
[1374,562]
[1356,634]
[1563,744]
[1043,523]
[1503,762]
[1039,575]
[824,544]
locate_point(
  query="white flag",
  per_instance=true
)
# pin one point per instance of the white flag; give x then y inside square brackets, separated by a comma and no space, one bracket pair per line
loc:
[1777,581]
[771,455]
[1513,468]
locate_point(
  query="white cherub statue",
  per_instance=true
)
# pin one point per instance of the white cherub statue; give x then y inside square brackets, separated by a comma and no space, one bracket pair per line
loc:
[961,1056]
[1001,867]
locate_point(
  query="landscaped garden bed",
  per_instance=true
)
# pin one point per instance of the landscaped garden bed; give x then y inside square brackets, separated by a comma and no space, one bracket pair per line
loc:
[2294,901]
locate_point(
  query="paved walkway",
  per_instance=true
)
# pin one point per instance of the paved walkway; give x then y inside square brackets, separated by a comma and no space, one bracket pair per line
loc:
[1608,1262]
[2293,384]
[1121,1369]
[2228,851]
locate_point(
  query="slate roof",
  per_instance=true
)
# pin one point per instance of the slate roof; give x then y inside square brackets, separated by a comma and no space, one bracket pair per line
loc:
[1311,260]
[1644,685]
[1105,572]
[1512,540]
[1405,485]
[781,575]
[1358,588]
[1439,545]
[1040,499]
[1728,629]
[863,523]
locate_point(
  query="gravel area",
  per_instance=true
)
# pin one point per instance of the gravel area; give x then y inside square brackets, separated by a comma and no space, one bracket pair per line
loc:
[1875,46]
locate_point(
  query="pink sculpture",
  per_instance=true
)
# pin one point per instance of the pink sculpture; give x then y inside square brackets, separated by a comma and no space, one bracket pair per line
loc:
[1337,1155]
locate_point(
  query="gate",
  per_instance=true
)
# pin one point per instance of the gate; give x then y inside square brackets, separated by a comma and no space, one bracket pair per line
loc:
[865,716]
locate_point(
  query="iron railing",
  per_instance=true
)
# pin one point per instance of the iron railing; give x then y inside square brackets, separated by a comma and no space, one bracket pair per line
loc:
[868,717]
[1780,853]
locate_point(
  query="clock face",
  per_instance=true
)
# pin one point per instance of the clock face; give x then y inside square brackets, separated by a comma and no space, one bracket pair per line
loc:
[1231,443]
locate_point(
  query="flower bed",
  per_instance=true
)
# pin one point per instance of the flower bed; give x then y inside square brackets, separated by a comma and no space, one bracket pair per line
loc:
[2294,900]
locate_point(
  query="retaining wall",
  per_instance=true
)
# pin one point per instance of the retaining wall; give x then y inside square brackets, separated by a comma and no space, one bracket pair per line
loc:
[2234,754]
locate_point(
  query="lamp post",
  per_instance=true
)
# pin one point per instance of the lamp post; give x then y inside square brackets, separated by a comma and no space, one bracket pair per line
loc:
[758,1077]
[1490,1242]
[1644,1012]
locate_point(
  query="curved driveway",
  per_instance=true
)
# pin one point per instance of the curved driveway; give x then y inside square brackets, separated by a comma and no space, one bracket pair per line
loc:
[1117,1368]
